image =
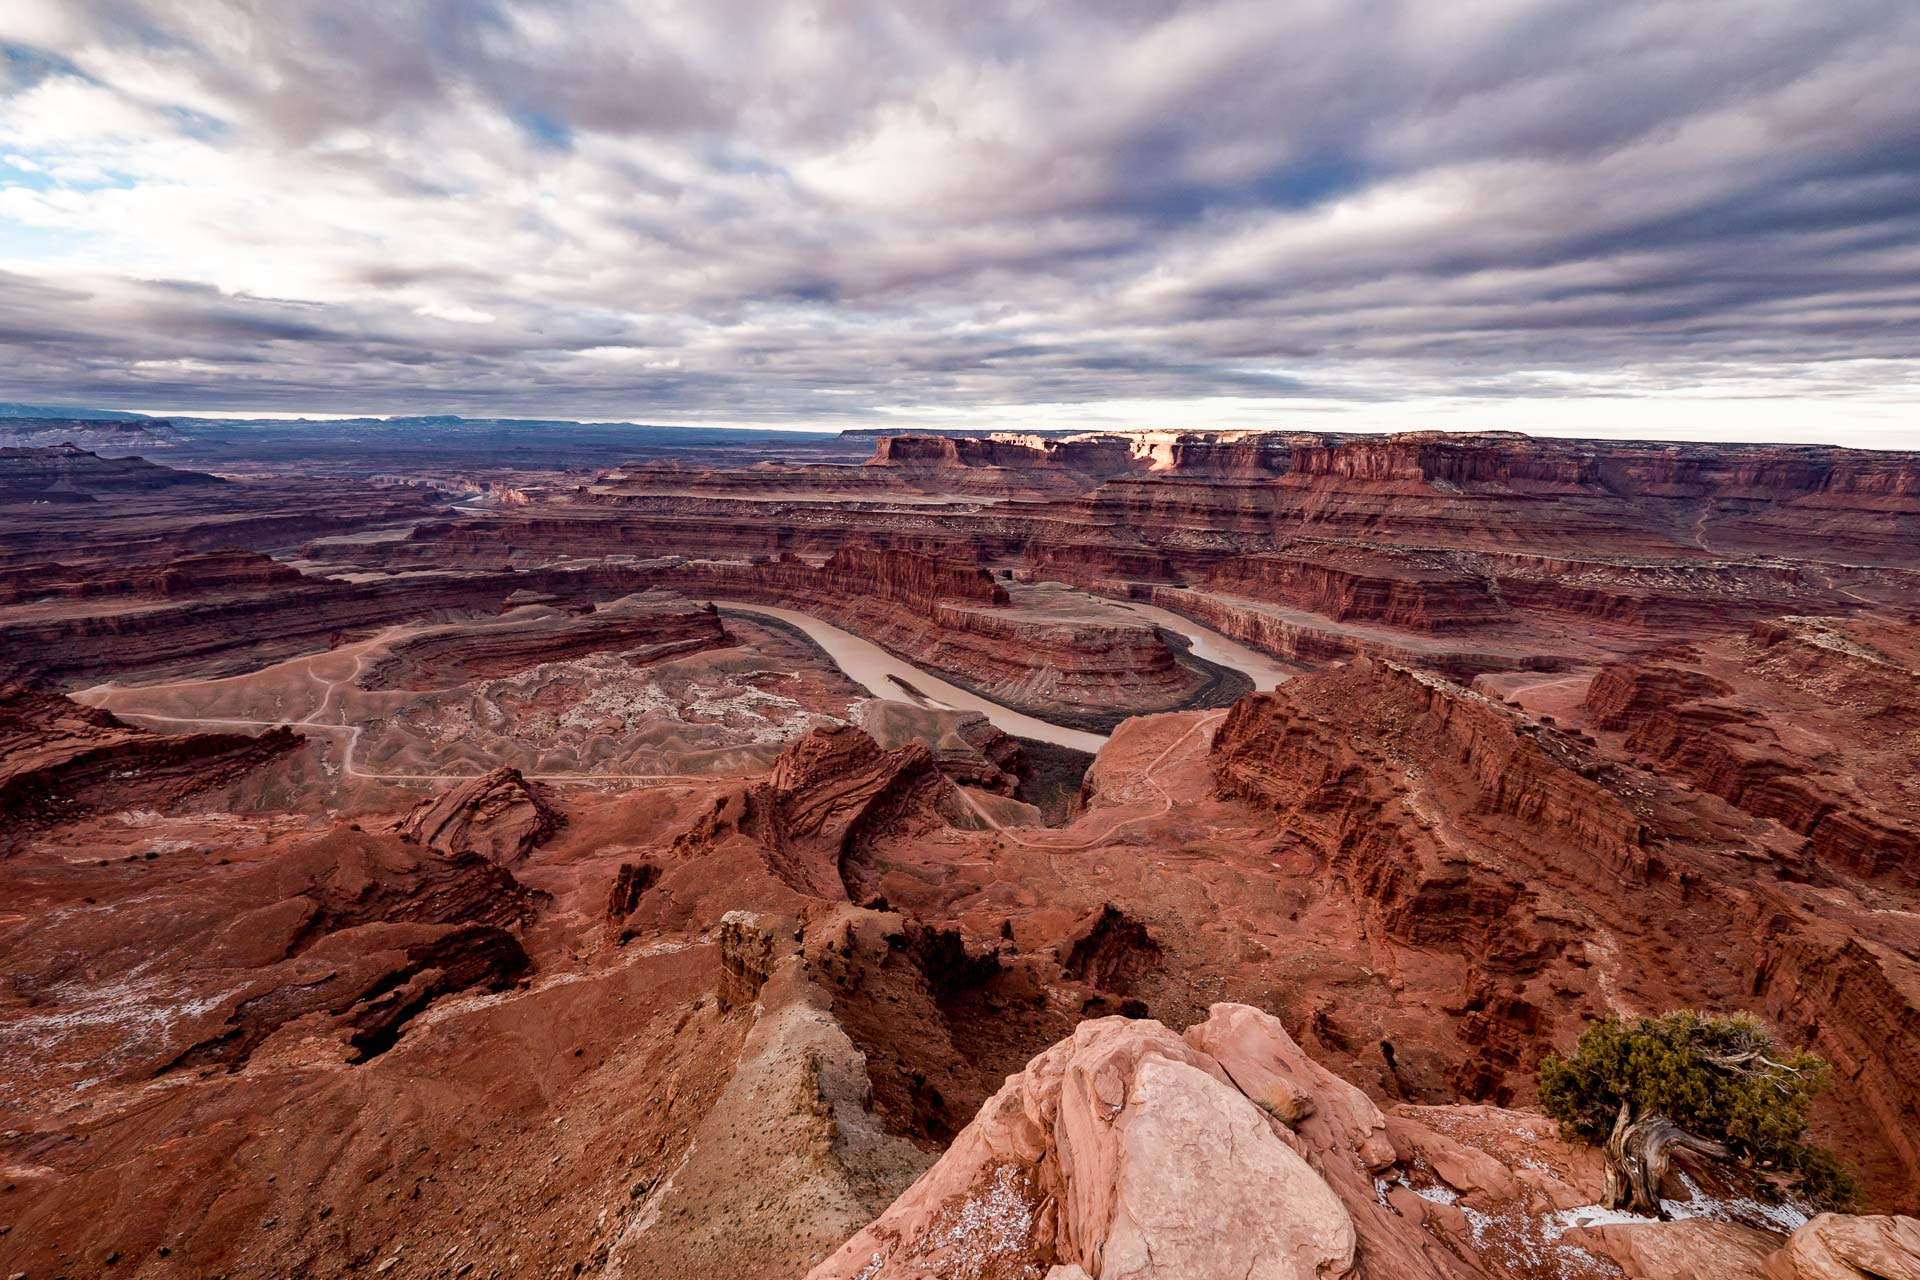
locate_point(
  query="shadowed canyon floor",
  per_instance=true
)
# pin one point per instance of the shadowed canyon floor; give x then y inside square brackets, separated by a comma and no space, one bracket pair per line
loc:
[1003,857]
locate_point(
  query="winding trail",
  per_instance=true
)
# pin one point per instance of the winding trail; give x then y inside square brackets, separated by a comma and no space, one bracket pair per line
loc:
[879,672]
[312,720]
[1837,588]
[353,732]
[1700,527]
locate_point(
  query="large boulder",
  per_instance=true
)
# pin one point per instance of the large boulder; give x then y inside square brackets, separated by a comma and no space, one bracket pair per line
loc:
[1698,1248]
[499,816]
[1843,1247]
[1128,1151]
[1830,1247]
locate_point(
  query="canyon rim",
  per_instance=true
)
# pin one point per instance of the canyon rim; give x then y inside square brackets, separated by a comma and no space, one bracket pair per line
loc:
[1162,641]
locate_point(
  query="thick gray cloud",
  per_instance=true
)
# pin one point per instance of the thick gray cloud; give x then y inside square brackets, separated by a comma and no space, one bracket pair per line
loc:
[1634,218]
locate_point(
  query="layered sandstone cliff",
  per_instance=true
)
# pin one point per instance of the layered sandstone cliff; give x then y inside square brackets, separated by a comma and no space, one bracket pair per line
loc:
[66,473]
[227,628]
[830,798]
[645,627]
[1570,885]
[1418,591]
[70,507]
[345,935]
[200,573]
[1694,713]
[1310,639]
[1128,1150]
[60,760]
[952,616]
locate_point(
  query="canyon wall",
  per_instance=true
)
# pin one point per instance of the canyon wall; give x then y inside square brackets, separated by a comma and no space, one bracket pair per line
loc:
[1462,824]
[1301,637]
[953,617]
[1414,590]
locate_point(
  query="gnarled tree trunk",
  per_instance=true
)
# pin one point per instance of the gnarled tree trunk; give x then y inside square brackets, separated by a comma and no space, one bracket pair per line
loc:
[1638,1156]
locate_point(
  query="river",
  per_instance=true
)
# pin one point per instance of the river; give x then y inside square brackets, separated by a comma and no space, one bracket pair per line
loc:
[1265,672]
[882,674]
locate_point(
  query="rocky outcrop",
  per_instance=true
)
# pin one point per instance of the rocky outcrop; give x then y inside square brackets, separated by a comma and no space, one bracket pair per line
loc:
[1664,595]
[1870,665]
[221,572]
[347,936]
[1463,827]
[1418,591]
[793,1154]
[1700,1248]
[1098,565]
[1496,489]
[1856,1001]
[834,792]
[1224,453]
[1127,1150]
[1838,1247]
[1309,751]
[1309,639]
[500,817]
[1500,492]
[60,760]
[1241,453]
[1093,1158]
[967,746]
[646,627]
[750,943]
[1626,695]
[1109,950]
[866,1052]
[908,577]
[1489,492]
[830,800]
[1458,828]
[65,473]
[1692,714]
[1830,1247]
[1095,456]
[1431,459]
[1518,768]
[1224,513]
[629,883]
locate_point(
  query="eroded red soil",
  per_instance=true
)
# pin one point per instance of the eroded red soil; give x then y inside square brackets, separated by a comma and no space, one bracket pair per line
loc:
[393,889]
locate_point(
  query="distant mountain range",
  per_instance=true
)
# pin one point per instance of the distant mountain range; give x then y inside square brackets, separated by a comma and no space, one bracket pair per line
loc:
[68,412]
[359,446]
[108,437]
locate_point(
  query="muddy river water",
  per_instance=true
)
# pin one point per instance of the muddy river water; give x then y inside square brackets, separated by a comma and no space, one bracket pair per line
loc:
[885,676]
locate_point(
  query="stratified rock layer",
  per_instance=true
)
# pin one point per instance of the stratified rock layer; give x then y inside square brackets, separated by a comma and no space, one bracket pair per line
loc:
[1130,1151]
[60,760]
[500,817]
[1466,826]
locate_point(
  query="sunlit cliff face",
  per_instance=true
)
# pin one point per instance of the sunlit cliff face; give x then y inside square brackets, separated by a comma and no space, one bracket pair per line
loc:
[1633,220]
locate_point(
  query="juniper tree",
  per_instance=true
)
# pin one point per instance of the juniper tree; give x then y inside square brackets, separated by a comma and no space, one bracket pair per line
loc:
[1719,1087]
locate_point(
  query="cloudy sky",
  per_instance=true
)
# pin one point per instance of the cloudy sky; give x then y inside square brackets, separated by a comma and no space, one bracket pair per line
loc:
[1687,218]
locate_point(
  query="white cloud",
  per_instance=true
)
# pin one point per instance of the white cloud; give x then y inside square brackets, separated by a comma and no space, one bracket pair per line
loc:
[1209,212]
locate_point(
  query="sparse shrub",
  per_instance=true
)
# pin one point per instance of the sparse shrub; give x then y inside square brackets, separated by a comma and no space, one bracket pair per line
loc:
[1724,1079]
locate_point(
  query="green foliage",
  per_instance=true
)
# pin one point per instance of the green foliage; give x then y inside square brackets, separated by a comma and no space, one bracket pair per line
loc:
[1723,1078]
